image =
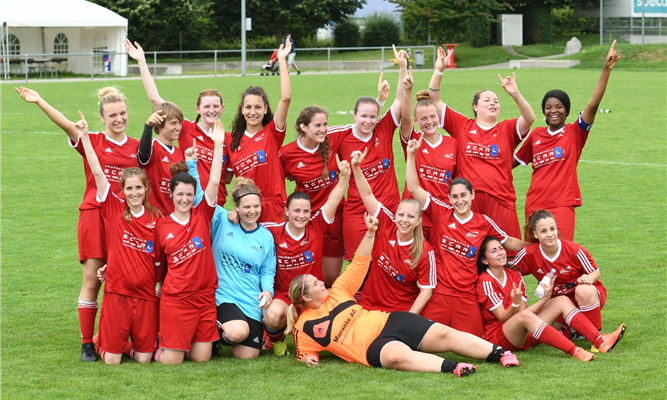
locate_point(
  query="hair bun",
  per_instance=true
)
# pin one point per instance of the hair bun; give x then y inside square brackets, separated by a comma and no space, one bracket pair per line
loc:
[423,95]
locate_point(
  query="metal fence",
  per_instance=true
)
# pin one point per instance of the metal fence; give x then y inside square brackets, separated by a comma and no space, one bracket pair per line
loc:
[203,62]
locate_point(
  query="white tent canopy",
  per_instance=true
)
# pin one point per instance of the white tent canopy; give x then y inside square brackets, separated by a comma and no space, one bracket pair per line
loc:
[43,28]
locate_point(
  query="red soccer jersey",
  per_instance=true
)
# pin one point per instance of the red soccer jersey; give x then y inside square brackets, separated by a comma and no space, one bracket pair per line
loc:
[392,283]
[114,157]
[492,293]
[435,165]
[298,255]
[456,243]
[257,158]
[305,166]
[571,261]
[378,166]
[186,249]
[555,156]
[205,146]
[130,249]
[485,153]
[159,175]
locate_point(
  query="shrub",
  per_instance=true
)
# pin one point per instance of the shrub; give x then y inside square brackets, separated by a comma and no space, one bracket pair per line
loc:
[381,30]
[537,25]
[346,34]
[479,32]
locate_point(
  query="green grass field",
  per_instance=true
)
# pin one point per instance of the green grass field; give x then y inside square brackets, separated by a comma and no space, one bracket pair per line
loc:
[623,223]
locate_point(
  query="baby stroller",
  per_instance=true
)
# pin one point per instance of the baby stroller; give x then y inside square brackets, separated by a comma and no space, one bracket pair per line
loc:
[272,66]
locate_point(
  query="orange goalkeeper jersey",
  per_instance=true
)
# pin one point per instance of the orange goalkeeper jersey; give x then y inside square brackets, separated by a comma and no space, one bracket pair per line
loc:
[340,325]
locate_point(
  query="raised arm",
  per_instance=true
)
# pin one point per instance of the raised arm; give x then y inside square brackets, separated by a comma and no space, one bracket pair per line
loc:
[406,107]
[383,91]
[365,192]
[592,107]
[527,115]
[402,59]
[336,195]
[218,136]
[285,87]
[145,144]
[93,162]
[502,313]
[411,177]
[137,53]
[31,96]
[191,161]
[436,79]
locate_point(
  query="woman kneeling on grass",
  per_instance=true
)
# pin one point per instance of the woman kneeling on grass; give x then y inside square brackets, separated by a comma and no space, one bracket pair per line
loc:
[332,321]
[508,320]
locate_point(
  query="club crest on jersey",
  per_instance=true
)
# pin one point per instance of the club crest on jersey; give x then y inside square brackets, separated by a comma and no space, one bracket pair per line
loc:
[566,270]
[332,176]
[256,248]
[494,150]
[247,268]
[449,155]
[303,242]
[471,253]
[558,152]
[377,142]
[308,256]
[261,156]
[399,278]
[197,242]
[472,234]
[149,246]
[320,330]
[385,163]
[260,137]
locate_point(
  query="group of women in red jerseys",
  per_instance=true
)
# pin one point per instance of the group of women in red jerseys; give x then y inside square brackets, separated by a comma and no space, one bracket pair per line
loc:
[441,252]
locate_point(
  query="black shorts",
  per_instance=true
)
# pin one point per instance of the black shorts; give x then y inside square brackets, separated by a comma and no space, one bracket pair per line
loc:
[405,327]
[231,312]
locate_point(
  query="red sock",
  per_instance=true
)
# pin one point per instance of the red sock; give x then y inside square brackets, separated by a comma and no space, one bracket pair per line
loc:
[87,314]
[594,314]
[129,351]
[103,355]
[275,336]
[548,335]
[583,326]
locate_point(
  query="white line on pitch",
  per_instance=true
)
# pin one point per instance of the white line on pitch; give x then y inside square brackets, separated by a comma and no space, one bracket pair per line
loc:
[624,163]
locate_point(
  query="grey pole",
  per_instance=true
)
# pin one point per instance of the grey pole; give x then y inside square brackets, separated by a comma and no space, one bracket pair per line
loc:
[601,18]
[243,27]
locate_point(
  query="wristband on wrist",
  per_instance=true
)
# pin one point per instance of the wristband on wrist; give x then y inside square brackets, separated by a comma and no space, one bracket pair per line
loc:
[370,236]
[381,103]
[433,90]
[516,305]
[437,73]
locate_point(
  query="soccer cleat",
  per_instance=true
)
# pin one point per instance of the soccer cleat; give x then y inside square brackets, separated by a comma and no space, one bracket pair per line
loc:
[583,355]
[280,348]
[298,72]
[463,369]
[508,359]
[266,342]
[88,352]
[610,340]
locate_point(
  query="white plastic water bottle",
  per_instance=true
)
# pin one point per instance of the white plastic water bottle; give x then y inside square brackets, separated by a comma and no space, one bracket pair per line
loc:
[604,111]
[539,291]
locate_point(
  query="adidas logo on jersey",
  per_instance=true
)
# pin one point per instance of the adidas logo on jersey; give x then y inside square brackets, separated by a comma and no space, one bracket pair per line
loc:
[539,270]
[283,245]
[425,151]
[392,243]
[230,234]
[474,131]
[200,137]
[165,159]
[108,150]
[452,225]
[170,236]
[538,142]
[301,165]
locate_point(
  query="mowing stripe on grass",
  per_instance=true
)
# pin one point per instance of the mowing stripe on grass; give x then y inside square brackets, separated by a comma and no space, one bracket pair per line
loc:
[624,163]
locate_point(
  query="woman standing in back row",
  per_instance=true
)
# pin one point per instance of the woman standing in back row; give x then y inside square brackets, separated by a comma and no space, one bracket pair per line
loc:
[555,150]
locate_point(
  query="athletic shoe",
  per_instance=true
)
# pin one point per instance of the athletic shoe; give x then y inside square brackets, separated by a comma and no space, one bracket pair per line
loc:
[266,342]
[88,352]
[463,369]
[610,340]
[583,355]
[298,72]
[280,348]
[508,359]
[215,348]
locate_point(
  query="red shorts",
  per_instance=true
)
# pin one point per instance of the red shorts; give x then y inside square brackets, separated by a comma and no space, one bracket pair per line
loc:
[565,219]
[498,338]
[355,228]
[273,210]
[191,319]
[123,317]
[90,233]
[460,313]
[334,245]
[282,297]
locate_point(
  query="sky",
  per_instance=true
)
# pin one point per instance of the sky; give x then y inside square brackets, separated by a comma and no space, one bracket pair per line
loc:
[372,6]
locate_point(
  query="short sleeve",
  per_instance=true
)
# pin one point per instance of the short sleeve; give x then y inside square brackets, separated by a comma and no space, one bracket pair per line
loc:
[453,122]
[524,154]
[487,296]
[426,272]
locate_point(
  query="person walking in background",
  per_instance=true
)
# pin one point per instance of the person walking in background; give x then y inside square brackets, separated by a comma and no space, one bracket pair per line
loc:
[292,55]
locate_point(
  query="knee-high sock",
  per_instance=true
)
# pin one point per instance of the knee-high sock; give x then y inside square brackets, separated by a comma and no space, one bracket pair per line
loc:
[87,314]
[584,326]
[594,314]
[548,335]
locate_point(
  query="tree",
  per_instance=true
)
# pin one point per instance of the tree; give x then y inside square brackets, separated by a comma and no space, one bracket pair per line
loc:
[346,34]
[449,19]
[381,30]
[160,24]
[277,17]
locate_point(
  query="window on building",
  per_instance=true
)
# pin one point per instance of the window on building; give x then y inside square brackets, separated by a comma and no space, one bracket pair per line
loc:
[60,44]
